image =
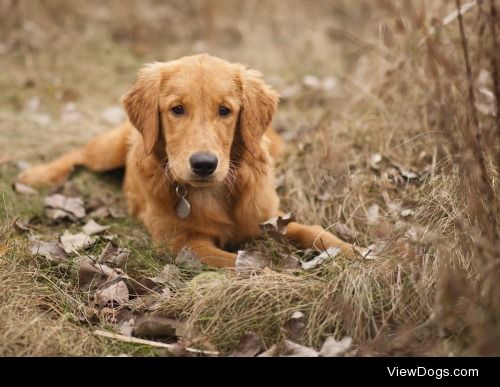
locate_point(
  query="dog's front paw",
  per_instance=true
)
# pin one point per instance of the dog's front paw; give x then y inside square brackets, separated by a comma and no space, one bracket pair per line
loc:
[42,175]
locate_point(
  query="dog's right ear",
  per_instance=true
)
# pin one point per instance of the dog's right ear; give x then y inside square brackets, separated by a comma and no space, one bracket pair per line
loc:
[141,104]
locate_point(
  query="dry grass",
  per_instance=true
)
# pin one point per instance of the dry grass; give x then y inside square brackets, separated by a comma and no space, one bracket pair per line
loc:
[406,91]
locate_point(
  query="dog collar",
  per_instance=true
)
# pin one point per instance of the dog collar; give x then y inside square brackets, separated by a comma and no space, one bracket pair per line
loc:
[183,208]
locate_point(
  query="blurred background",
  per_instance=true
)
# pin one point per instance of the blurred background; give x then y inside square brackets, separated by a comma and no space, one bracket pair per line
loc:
[390,111]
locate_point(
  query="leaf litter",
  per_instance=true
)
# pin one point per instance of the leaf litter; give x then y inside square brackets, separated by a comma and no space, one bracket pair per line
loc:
[111,291]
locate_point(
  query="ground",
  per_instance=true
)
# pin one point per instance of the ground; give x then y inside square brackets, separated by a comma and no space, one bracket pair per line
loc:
[376,118]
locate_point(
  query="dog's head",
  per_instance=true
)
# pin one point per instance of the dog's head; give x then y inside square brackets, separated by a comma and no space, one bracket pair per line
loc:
[194,109]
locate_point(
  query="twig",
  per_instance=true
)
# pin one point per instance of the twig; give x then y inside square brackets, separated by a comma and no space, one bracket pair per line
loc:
[134,340]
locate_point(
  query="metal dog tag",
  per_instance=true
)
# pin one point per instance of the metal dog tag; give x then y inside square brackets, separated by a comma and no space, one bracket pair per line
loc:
[183,208]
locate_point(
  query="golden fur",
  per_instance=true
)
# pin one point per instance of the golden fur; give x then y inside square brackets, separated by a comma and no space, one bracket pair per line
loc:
[156,144]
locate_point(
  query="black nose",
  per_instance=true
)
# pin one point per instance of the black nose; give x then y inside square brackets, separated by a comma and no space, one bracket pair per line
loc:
[203,163]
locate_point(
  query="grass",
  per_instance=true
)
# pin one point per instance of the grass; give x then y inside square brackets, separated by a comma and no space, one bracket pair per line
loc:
[403,92]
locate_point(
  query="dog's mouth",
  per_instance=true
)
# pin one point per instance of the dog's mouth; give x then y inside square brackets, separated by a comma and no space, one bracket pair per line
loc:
[201,182]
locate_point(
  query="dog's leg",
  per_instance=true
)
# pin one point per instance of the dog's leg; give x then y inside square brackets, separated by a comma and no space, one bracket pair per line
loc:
[316,237]
[103,153]
[211,255]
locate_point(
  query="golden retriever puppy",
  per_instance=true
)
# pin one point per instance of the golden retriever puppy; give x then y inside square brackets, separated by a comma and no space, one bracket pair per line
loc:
[197,152]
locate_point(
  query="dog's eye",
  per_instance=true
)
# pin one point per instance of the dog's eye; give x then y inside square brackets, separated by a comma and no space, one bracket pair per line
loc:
[178,110]
[224,111]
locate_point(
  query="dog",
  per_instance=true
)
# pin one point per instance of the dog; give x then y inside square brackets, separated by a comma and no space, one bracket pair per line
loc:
[198,153]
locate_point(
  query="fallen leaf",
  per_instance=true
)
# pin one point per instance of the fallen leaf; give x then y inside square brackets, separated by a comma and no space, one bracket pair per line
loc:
[50,250]
[375,160]
[24,189]
[22,226]
[92,227]
[114,256]
[126,327]
[72,243]
[334,348]
[369,252]
[91,275]
[372,214]
[170,275]
[295,325]
[117,213]
[311,81]
[330,253]
[114,293]
[250,345]
[72,205]
[188,260]
[142,286]
[251,261]
[271,352]
[277,227]
[407,213]
[151,326]
[100,213]
[411,234]
[345,232]
[288,262]
[291,349]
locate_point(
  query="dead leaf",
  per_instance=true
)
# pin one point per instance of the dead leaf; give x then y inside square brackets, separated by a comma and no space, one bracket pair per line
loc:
[72,205]
[294,327]
[92,227]
[375,160]
[142,286]
[369,252]
[188,260]
[407,213]
[250,345]
[251,261]
[117,213]
[22,226]
[114,293]
[154,327]
[334,348]
[330,253]
[50,250]
[91,275]
[372,214]
[277,227]
[24,189]
[345,232]
[100,213]
[271,352]
[291,349]
[311,81]
[114,256]
[71,243]
[170,275]
[288,262]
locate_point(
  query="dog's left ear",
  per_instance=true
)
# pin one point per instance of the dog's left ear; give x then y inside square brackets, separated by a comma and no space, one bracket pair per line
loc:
[258,108]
